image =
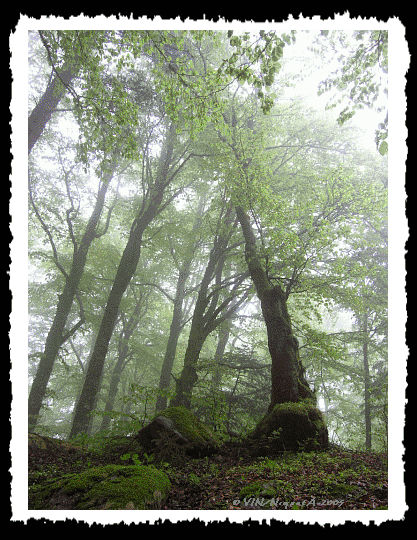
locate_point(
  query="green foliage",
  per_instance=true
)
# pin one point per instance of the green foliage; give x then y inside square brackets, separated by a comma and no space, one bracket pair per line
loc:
[194,479]
[312,197]
[265,52]
[360,76]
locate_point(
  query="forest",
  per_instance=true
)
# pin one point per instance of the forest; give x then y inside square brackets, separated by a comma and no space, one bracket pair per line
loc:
[208,258]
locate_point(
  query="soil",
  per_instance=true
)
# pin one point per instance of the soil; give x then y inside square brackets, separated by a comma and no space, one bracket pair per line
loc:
[335,479]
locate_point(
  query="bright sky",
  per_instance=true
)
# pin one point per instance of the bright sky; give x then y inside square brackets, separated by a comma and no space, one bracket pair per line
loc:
[366,119]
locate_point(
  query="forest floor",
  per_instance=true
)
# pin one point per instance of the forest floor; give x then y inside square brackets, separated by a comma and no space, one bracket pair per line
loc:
[235,480]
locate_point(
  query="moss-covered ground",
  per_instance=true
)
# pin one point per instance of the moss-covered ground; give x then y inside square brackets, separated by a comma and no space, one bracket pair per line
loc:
[234,478]
[106,487]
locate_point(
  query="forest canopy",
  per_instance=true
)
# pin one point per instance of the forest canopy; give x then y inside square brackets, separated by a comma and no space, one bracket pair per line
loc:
[174,177]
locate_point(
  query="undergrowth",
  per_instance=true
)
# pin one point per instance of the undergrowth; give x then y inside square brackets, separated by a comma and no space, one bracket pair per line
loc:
[233,479]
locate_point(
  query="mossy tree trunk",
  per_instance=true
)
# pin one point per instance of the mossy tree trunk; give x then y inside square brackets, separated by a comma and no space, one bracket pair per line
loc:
[287,380]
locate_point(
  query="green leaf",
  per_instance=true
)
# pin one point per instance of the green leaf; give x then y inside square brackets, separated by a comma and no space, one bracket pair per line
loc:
[383,148]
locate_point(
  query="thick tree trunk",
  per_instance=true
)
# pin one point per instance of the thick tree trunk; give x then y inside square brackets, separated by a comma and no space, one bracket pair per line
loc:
[53,94]
[56,335]
[125,272]
[287,381]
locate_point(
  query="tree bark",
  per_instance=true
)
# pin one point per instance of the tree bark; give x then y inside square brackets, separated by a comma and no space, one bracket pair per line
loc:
[125,272]
[123,356]
[53,94]
[367,384]
[205,317]
[287,380]
[176,323]
[56,335]
[283,348]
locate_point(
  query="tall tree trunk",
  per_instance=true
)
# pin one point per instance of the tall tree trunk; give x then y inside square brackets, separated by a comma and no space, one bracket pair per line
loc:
[59,83]
[57,335]
[368,428]
[287,380]
[176,323]
[224,333]
[205,317]
[125,272]
[123,358]
[53,94]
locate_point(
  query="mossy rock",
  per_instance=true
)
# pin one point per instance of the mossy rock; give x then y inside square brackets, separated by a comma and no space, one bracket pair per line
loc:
[188,425]
[110,487]
[41,442]
[202,440]
[293,426]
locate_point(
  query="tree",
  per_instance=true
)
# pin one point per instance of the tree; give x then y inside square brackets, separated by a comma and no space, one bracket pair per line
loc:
[250,184]
[287,374]
[152,204]
[57,334]
[68,53]
[211,308]
[291,181]
[177,322]
[105,100]
[124,355]
[371,314]
[98,61]
[360,76]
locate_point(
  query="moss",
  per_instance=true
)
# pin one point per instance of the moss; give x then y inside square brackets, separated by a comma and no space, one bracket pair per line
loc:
[336,489]
[296,424]
[189,426]
[113,486]
[257,489]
